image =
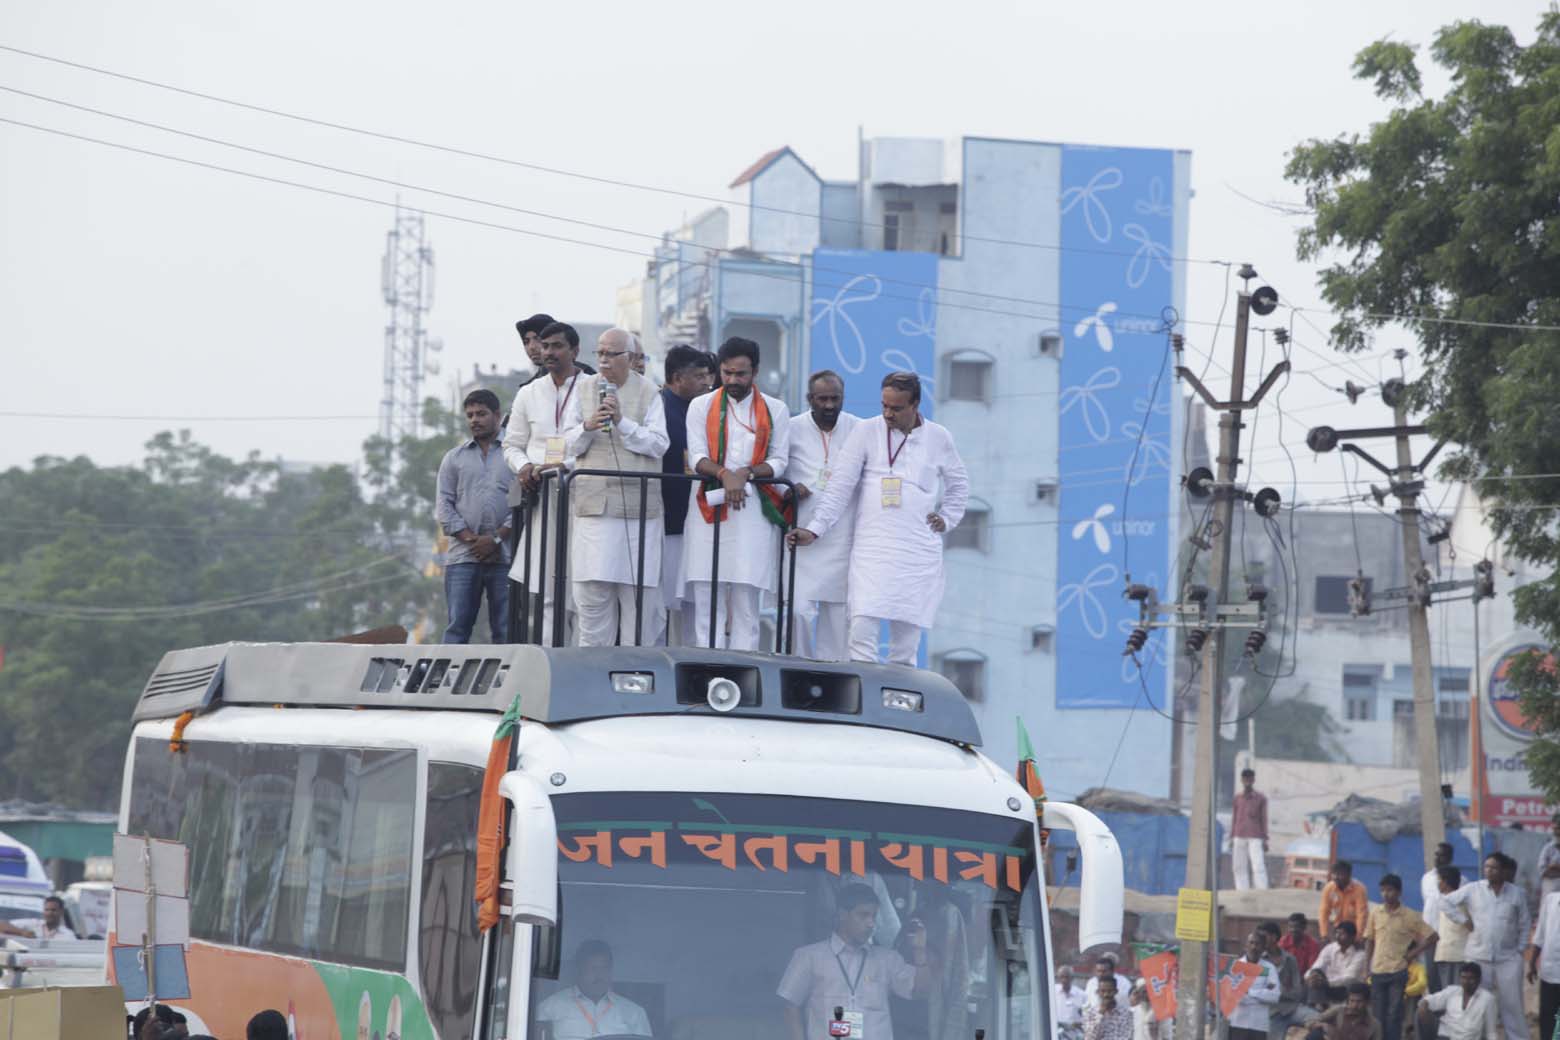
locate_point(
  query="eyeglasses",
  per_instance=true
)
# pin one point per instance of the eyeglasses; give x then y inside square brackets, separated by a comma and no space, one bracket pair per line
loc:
[608,355]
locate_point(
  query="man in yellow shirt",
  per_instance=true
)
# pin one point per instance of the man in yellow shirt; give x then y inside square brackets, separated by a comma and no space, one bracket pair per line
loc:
[1394,937]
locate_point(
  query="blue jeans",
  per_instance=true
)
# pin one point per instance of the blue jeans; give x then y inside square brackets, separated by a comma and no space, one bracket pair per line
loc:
[464,584]
[1386,1002]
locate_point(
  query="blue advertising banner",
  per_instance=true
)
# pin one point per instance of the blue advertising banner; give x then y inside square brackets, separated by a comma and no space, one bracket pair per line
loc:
[1116,228]
[873,313]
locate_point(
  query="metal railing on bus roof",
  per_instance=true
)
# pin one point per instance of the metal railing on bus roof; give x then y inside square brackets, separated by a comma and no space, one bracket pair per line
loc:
[527,621]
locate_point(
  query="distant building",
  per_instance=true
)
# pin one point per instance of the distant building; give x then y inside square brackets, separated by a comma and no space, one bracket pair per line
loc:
[1031,285]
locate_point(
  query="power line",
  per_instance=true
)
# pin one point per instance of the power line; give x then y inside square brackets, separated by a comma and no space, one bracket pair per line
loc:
[538,167]
[183,418]
[336,193]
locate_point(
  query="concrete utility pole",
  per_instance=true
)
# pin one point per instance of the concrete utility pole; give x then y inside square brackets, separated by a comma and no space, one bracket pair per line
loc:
[1427,752]
[1406,485]
[1201,854]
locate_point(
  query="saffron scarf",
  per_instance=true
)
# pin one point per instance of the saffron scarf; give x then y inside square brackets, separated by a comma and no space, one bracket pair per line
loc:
[776,508]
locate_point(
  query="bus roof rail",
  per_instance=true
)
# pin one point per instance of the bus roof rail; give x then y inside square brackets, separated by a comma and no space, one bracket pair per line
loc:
[557,685]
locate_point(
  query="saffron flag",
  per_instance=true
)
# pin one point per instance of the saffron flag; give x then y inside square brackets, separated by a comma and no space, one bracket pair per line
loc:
[492,819]
[1161,973]
[1029,769]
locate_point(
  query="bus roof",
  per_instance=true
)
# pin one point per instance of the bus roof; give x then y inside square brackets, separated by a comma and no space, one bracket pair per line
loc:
[554,685]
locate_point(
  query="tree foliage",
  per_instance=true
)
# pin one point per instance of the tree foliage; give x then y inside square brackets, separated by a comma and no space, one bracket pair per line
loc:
[1447,212]
[103,569]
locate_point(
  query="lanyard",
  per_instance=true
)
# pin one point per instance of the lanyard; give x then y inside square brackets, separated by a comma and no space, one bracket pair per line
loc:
[559,407]
[825,434]
[590,1019]
[888,439]
[731,410]
[859,969]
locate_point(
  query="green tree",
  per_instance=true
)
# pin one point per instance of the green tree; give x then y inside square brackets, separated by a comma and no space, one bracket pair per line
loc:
[102,570]
[1448,209]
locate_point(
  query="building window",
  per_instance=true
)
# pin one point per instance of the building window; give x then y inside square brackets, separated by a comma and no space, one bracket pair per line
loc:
[1045,491]
[967,376]
[966,669]
[974,531]
[1359,694]
[1332,593]
[890,232]
[1040,637]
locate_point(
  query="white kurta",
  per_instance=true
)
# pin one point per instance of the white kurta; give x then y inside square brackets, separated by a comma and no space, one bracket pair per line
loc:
[822,566]
[896,566]
[749,543]
[606,548]
[541,410]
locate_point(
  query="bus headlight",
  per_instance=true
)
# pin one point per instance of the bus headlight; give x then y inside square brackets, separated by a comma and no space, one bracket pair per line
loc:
[633,682]
[902,700]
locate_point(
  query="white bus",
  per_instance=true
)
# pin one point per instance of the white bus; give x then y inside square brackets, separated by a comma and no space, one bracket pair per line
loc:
[696,811]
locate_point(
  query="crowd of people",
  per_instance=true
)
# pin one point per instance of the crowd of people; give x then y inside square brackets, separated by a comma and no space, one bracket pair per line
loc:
[864,503]
[164,1023]
[1455,969]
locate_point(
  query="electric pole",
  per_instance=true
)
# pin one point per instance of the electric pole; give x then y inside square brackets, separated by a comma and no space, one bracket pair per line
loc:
[1406,483]
[1207,622]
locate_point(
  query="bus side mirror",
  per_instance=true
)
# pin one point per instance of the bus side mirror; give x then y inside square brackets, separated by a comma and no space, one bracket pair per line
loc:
[1101,900]
[531,870]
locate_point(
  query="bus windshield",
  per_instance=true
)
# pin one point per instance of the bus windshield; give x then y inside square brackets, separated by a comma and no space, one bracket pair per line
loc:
[688,916]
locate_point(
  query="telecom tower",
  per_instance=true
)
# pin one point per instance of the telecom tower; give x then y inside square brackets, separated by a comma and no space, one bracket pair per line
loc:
[406,275]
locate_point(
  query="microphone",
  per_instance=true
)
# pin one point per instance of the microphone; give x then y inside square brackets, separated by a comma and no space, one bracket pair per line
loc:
[602,393]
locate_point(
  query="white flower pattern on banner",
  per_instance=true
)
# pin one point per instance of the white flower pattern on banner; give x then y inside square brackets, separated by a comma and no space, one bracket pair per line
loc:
[899,361]
[925,321]
[1095,418]
[1096,621]
[1156,205]
[1101,326]
[1095,215]
[1095,525]
[836,310]
[1148,253]
[1152,453]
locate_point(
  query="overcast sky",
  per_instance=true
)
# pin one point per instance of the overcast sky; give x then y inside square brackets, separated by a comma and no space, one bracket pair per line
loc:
[134,286]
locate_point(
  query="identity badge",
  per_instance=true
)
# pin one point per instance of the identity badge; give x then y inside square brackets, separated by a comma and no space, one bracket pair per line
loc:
[856,1020]
[892,487]
[554,452]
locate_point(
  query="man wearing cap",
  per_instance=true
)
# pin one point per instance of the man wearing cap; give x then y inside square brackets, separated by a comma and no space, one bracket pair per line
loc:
[847,971]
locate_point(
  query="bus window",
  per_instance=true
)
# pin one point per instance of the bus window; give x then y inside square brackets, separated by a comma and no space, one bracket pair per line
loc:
[293,849]
[449,945]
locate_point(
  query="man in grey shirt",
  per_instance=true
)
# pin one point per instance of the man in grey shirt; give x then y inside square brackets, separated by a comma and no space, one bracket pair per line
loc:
[1500,921]
[847,971]
[473,510]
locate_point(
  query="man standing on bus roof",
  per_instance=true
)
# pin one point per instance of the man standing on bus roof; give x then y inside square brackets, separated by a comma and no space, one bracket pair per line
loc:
[846,971]
[818,435]
[687,376]
[898,460]
[618,423]
[590,1007]
[473,511]
[535,444]
[735,434]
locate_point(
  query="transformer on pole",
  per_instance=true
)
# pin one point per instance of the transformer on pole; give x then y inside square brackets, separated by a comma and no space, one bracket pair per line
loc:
[406,278]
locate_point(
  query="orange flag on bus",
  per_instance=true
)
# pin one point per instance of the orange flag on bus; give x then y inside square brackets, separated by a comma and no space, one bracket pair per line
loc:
[491,819]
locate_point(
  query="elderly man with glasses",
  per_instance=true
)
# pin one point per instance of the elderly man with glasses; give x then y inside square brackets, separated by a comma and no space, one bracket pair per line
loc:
[619,423]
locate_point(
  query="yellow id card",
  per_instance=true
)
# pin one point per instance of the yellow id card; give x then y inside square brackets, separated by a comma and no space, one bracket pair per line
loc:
[554,452]
[892,488]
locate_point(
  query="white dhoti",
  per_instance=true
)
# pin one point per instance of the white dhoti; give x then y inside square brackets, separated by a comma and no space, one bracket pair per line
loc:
[820,595]
[604,566]
[541,584]
[675,604]
[904,639]
[821,630]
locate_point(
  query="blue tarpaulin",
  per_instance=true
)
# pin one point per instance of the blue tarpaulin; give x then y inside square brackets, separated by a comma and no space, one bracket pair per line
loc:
[1153,851]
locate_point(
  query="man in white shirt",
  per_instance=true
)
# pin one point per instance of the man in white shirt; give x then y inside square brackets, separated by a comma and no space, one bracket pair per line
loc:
[1104,968]
[1340,963]
[735,434]
[589,1007]
[1544,963]
[1430,901]
[1451,944]
[898,460]
[534,443]
[1068,1005]
[618,423]
[1498,913]
[818,436]
[1467,1011]
[1549,861]
[1249,1020]
[50,926]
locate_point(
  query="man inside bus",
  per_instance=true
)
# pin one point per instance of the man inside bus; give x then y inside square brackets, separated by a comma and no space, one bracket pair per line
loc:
[50,926]
[618,423]
[846,971]
[590,1007]
[534,444]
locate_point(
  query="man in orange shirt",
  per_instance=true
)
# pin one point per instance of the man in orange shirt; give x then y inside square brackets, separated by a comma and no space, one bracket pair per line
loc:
[1343,899]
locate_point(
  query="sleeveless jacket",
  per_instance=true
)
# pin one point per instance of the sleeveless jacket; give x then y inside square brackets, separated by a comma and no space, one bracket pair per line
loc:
[614,496]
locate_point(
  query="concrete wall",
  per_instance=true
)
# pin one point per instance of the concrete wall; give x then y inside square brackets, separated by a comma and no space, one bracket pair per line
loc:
[790,227]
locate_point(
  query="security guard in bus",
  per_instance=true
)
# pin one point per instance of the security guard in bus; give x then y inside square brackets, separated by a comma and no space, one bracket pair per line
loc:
[590,1007]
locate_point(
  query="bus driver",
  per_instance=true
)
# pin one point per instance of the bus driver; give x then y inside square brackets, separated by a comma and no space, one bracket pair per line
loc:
[589,1007]
[846,971]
